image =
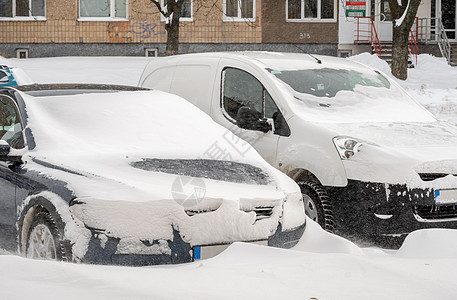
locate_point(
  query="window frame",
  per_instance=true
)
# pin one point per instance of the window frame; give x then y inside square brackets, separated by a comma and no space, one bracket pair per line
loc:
[317,19]
[24,18]
[181,19]
[238,18]
[112,16]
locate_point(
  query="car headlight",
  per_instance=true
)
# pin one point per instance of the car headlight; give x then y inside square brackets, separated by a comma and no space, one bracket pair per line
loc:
[346,146]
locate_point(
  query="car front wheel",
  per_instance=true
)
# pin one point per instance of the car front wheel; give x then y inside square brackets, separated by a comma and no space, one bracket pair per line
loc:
[43,239]
[317,204]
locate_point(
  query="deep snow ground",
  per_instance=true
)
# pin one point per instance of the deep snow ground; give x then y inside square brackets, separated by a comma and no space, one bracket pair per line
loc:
[322,266]
[247,271]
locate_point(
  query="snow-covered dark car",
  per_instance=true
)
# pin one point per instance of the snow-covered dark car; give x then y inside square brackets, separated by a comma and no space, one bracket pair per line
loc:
[10,76]
[121,175]
[6,77]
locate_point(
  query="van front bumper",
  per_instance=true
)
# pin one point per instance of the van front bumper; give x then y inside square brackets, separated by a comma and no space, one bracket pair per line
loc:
[383,214]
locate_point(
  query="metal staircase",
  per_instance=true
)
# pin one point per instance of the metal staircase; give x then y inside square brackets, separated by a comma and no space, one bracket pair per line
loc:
[453,56]
[365,32]
[386,52]
[431,30]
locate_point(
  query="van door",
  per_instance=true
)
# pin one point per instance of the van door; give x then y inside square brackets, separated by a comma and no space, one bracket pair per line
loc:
[239,88]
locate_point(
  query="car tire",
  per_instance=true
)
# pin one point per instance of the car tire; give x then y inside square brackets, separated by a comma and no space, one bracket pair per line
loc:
[44,239]
[317,204]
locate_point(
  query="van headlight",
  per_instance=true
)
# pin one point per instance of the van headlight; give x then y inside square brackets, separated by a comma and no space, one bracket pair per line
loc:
[346,146]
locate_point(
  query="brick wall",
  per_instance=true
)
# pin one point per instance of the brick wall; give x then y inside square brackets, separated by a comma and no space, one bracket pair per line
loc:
[144,26]
[276,29]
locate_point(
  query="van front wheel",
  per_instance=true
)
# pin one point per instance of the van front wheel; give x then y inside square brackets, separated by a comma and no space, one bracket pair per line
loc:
[317,204]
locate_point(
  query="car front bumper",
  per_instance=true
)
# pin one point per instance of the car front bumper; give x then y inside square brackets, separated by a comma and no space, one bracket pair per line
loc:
[105,250]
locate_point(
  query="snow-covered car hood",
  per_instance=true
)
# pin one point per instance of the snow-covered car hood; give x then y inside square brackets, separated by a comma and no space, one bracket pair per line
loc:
[96,143]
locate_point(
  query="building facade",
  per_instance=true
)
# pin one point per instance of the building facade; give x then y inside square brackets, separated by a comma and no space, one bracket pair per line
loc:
[41,28]
[434,31]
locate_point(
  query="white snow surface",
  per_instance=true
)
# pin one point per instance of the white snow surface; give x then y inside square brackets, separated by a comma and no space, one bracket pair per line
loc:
[321,266]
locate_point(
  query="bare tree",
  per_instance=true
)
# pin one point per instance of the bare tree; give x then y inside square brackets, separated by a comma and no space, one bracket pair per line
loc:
[403,15]
[171,10]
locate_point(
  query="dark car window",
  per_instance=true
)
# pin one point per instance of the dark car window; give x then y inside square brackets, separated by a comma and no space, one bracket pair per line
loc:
[10,123]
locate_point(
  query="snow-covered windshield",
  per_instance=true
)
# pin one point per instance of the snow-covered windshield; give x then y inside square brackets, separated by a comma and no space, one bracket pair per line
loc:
[349,95]
[328,82]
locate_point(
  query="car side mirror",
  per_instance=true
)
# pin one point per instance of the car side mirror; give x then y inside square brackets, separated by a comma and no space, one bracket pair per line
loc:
[4,77]
[248,118]
[5,150]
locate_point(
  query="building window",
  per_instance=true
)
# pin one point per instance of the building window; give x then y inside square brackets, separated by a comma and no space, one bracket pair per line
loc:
[311,10]
[23,9]
[151,52]
[186,11]
[22,53]
[109,9]
[239,10]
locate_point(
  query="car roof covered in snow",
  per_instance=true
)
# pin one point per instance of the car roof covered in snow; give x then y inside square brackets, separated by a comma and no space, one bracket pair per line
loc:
[73,89]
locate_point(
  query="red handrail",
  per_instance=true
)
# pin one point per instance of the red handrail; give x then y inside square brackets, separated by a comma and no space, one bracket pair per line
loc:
[413,48]
[362,34]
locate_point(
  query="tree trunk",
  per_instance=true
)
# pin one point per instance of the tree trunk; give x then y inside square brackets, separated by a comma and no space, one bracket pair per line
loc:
[404,13]
[173,29]
[400,52]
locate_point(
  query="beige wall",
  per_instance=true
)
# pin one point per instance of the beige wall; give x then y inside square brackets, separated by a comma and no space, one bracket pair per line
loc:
[144,25]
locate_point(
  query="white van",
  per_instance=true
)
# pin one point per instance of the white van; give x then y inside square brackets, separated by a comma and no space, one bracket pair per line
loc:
[371,162]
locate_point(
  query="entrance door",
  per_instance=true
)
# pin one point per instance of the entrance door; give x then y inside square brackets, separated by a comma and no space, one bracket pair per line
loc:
[383,20]
[448,16]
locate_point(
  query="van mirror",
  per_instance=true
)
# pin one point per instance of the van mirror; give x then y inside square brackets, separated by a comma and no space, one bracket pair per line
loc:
[248,118]
[5,150]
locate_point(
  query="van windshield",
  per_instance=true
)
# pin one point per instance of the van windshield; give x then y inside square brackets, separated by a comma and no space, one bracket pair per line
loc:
[328,82]
[350,95]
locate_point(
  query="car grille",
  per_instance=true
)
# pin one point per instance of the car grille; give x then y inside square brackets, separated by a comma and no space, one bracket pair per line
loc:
[191,213]
[436,212]
[261,212]
[432,176]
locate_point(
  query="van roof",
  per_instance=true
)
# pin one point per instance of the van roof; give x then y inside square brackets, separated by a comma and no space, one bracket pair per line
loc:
[283,60]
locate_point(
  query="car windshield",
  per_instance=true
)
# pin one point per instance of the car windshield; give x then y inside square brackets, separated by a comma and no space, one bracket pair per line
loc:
[350,95]
[205,168]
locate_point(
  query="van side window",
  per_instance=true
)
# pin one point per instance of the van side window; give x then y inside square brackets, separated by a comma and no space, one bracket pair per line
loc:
[242,89]
[10,123]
